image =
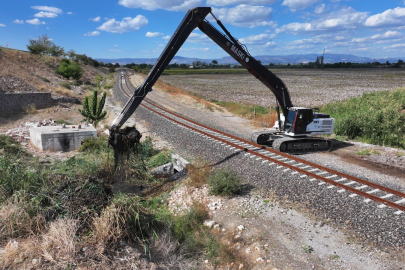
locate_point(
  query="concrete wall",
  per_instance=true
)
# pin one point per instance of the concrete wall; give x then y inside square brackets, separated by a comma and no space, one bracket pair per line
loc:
[16,102]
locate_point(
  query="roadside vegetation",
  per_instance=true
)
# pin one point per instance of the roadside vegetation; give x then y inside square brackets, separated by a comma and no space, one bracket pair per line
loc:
[376,118]
[64,213]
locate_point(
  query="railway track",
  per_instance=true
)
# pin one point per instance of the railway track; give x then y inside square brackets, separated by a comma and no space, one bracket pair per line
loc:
[386,197]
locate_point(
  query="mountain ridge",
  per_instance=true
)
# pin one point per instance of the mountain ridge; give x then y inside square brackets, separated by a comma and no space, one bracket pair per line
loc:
[265,59]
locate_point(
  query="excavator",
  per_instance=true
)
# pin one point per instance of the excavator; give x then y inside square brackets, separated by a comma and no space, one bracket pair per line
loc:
[297,129]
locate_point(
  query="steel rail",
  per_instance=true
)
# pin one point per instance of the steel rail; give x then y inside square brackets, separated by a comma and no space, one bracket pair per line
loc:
[292,167]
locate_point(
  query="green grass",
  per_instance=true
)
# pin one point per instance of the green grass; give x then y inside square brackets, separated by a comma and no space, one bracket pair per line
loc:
[376,118]
[367,152]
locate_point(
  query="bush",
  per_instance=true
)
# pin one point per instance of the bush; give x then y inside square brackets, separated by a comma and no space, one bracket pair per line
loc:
[65,84]
[224,182]
[69,69]
[93,144]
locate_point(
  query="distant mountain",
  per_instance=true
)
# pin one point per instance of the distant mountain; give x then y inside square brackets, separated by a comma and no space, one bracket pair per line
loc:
[265,59]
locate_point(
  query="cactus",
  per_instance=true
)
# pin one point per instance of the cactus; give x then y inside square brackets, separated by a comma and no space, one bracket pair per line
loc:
[95,113]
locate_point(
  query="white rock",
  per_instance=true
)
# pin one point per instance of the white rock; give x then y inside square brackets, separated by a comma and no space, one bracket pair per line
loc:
[209,223]
[260,260]
[248,250]
[241,227]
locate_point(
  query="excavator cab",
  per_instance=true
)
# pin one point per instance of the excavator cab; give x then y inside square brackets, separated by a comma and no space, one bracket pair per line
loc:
[297,120]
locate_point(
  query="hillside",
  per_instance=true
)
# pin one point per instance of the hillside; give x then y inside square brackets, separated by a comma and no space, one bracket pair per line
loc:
[24,72]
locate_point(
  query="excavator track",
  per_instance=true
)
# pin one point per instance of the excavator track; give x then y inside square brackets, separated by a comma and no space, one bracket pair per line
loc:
[301,145]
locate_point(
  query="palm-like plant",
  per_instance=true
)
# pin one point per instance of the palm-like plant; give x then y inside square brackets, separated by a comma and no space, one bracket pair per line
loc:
[93,112]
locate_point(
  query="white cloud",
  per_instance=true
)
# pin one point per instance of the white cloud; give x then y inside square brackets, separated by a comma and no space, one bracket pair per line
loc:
[320,9]
[389,35]
[2,25]
[92,34]
[166,37]
[18,21]
[346,18]
[295,5]
[69,13]
[174,5]
[44,14]
[198,38]
[126,25]
[245,16]
[194,49]
[49,9]
[96,19]
[390,17]
[222,3]
[270,44]
[35,21]
[153,34]
[257,39]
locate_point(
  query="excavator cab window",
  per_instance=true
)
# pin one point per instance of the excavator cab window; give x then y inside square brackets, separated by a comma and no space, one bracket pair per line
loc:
[289,121]
[303,118]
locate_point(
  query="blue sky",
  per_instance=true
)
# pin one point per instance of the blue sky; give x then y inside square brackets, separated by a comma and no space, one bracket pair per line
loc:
[141,28]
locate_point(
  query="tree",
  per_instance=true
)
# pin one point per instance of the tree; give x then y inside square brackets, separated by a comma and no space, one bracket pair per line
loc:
[93,112]
[214,62]
[40,45]
[56,51]
[71,54]
[69,69]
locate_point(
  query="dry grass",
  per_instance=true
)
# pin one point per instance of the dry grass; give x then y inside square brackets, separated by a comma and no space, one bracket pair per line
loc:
[64,92]
[169,253]
[58,244]
[30,109]
[106,227]
[198,173]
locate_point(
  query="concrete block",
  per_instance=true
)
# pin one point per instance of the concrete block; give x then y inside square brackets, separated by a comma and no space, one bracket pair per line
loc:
[58,138]
[179,163]
[166,169]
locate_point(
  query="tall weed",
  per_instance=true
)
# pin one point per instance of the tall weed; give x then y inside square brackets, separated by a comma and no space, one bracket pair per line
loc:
[377,118]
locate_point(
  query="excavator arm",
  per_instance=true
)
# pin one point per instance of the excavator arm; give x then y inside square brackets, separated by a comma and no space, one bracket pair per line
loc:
[189,23]
[193,19]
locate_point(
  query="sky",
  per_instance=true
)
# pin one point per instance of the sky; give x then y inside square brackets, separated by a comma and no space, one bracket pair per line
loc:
[142,28]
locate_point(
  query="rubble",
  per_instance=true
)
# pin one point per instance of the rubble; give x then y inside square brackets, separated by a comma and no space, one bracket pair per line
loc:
[21,133]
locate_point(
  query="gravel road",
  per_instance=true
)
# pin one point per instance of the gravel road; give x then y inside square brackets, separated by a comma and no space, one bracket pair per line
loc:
[303,213]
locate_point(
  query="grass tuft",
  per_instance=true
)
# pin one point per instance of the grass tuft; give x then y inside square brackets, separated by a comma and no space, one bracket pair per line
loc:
[224,182]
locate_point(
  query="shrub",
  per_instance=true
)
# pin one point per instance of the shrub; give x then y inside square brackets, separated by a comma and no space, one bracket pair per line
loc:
[69,69]
[65,84]
[92,144]
[224,182]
